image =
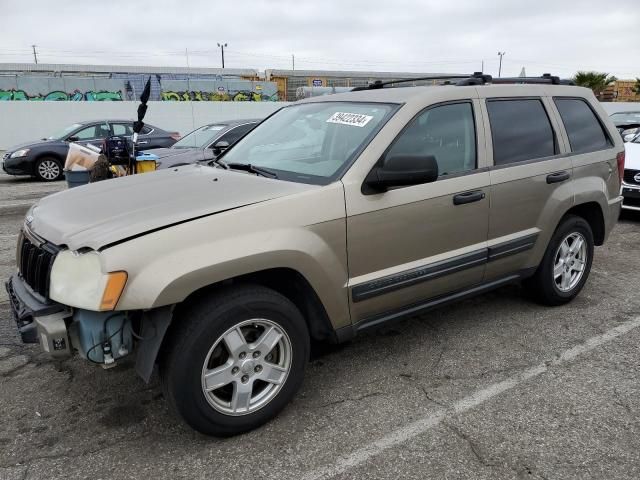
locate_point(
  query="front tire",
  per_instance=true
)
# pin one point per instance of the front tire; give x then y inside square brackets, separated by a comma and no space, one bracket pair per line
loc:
[48,169]
[235,359]
[566,264]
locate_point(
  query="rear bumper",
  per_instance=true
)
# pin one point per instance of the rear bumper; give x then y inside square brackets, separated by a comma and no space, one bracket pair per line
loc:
[26,306]
[631,197]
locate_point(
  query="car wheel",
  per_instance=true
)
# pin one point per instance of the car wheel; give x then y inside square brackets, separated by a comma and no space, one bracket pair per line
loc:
[566,264]
[48,169]
[234,360]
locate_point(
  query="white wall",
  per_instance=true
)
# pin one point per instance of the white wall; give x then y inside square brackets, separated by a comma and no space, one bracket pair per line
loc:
[27,121]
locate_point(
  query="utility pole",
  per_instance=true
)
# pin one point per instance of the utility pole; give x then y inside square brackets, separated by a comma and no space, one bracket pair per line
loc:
[500,54]
[222,45]
[293,62]
[482,68]
[35,54]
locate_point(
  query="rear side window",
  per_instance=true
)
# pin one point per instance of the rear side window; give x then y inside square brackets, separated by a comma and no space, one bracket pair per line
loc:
[583,128]
[520,130]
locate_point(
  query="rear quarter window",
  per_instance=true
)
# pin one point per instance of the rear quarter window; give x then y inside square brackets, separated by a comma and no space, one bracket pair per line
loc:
[585,132]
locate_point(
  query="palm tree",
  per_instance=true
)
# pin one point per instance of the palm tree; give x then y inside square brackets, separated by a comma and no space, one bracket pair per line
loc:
[596,81]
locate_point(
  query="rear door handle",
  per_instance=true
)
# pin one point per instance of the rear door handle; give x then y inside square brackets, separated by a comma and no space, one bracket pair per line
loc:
[468,197]
[558,177]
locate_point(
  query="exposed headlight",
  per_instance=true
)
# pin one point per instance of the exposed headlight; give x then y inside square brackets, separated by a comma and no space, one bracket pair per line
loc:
[77,280]
[19,153]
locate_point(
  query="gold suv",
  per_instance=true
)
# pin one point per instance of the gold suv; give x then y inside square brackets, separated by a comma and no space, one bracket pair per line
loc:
[334,215]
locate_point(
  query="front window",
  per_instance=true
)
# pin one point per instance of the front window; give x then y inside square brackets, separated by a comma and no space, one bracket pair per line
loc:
[200,137]
[312,142]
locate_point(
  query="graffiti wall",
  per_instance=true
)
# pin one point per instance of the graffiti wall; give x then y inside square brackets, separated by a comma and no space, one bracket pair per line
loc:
[56,89]
[218,91]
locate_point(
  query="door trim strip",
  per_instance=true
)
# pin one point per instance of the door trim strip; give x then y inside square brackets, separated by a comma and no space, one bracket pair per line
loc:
[414,276]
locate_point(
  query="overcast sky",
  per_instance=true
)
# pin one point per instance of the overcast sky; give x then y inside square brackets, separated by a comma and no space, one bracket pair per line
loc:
[557,36]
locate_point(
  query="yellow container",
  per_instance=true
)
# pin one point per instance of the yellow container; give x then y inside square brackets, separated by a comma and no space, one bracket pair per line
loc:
[145,166]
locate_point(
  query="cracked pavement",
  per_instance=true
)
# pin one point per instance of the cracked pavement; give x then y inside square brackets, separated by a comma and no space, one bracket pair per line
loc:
[577,419]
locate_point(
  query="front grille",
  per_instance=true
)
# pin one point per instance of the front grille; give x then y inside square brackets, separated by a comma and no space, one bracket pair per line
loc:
[631,202]
[628,177]
[34,264]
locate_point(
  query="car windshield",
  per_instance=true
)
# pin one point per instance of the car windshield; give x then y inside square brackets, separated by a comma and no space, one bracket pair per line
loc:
[625,117]
[311,142]
[65,131]
[200,137]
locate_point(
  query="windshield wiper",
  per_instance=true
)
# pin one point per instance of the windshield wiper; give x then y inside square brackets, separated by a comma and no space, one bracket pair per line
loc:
[247,167]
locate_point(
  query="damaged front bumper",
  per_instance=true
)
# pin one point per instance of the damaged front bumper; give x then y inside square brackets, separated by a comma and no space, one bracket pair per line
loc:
[27,306]
[100,337]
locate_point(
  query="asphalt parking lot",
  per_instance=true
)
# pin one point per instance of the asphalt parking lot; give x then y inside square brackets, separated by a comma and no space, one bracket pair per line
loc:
[494,387]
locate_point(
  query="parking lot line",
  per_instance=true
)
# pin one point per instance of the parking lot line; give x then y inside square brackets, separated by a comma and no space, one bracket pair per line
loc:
[477,398]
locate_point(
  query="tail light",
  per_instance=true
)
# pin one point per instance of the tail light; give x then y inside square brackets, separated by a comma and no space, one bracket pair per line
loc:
[175,135]
[620,160]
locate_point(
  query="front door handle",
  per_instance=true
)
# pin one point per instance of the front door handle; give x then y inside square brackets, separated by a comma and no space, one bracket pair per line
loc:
[468,197]
[558,177]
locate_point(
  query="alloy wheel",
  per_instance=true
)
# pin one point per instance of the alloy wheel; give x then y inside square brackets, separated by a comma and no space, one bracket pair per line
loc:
[49,169]
[570,262]
[246,367]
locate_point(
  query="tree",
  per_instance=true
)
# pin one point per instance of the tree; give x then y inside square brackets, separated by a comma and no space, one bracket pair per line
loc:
[596,81]
[636,87]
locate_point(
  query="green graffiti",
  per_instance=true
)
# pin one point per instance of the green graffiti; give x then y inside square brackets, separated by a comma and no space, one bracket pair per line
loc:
[60,96]
[218,96]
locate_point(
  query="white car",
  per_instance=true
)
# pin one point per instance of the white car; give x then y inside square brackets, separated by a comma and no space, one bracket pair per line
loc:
[631,180]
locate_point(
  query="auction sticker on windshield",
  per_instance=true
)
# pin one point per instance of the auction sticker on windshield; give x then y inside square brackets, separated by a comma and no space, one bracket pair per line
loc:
[353,119]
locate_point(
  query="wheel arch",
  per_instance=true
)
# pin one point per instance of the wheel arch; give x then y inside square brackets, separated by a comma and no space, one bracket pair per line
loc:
[286,281]
[291,284]
[594,216]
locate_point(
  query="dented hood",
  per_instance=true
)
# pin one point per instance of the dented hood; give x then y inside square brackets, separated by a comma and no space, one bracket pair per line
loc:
[107,212]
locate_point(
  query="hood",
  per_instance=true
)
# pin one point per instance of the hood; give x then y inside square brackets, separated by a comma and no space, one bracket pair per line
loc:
[632,156]
[110,211]
[174,156]
[34,144]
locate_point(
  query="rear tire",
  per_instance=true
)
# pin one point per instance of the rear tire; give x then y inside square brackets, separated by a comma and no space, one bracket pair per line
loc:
[566,264]
[234,359]
[48,169]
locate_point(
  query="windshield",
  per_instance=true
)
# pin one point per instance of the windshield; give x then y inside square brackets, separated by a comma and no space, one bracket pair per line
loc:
[626,117]
[65,131]
[312,142]
[200,137]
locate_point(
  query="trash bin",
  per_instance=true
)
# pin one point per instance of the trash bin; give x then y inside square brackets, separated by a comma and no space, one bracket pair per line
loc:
[75,178]
[79,162]
[146,162]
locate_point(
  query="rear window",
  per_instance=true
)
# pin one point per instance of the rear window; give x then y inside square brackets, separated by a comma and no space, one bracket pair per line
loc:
[520,130]
[584,130]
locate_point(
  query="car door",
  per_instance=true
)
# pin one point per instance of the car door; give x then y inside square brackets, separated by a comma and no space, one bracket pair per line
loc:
[530,180]
[412,244]
[231,136]
[93,134]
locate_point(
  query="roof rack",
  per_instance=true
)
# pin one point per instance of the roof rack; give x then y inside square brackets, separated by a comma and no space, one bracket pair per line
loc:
[476,78]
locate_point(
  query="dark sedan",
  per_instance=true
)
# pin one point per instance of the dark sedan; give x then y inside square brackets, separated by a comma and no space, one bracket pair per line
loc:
[204,143]
[44,159]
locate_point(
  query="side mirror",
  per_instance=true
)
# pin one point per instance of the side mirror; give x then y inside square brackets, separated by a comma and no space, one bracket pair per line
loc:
[629,137]
[72,139]
[401,171]
[219,147]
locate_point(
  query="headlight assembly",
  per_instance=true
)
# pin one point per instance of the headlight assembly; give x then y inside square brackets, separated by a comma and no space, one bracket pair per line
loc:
[77,281]
[19,153]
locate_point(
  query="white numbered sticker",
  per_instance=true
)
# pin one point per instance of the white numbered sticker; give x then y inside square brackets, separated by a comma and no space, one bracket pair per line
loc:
[353,119]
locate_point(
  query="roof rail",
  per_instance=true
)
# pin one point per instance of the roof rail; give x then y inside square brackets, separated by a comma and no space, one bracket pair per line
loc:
[476,78]
[545,78]
[380,84]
